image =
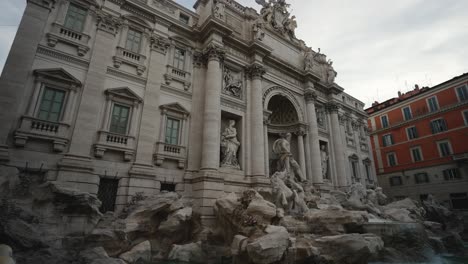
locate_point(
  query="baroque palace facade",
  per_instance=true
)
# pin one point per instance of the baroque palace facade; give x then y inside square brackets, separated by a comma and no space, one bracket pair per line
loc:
[119,97]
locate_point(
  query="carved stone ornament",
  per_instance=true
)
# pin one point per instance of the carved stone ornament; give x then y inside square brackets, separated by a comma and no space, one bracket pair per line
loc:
[275,13]
[310,96]
[199,59]
[159,43]
[108,22]
[214,52]
[219,8]
[332,107]
[255,71]
[342,118]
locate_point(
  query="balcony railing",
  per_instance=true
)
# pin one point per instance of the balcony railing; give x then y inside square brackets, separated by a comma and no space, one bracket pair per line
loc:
[129,57]
[31,127]
[116,142]
[169,151]
[69,36]
[178,75]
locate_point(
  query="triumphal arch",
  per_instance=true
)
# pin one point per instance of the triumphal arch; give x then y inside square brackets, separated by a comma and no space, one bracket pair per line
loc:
[125,97]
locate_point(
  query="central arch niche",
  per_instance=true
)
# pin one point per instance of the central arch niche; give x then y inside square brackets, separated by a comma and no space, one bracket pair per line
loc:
[283,119]
[283,111]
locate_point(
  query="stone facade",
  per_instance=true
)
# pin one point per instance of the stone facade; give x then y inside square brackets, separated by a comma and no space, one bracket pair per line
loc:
[142,91]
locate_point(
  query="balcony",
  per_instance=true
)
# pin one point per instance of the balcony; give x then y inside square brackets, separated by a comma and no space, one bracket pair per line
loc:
[116,142]
[31,127]
[68,36]
[178,75]
[130,58]
[171,152]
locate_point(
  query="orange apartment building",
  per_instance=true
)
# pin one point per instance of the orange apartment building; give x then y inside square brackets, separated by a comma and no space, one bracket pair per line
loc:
[420,143]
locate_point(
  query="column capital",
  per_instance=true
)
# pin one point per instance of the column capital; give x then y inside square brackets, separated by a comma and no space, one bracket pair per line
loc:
[159,43]
[214,52]
[332,107]
[255,71]
[301,132]
[108,23]
[266,117]
[342,118]
[310,95]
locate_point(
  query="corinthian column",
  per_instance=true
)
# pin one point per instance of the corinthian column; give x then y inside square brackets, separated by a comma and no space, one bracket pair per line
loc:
[255,73]
[337,146]
[314,146]
[300,143]
[212,111]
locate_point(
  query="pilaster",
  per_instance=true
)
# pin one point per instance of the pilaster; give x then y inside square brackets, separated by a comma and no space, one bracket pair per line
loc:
[314,146]
[337,146]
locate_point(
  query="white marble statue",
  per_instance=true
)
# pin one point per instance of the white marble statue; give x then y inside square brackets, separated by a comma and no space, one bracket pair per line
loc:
[259,30]
[331,73]
[308,60]
[324,158]
[229,146]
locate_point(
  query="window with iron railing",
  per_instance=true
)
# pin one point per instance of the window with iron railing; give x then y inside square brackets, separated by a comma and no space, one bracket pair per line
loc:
[407,113]
[387,140]
[462,93]
[438,125]
[433,104]
[412,132]
[444,148]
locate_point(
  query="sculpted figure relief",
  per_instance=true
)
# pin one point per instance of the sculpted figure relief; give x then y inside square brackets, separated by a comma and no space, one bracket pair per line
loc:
[286,162]
[275,13]
[232,85]
[308,60]
[259,30]
[229,146]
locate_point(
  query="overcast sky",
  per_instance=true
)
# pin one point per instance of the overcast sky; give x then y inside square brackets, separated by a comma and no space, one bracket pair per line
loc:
[378,47]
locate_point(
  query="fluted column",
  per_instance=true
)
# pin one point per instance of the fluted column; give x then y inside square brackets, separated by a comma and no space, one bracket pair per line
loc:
[314,146]
[212,111]
[300,142]
[337,146]
[257,142]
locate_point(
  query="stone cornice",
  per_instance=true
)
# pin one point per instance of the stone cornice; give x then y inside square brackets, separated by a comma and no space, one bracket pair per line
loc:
[49,4]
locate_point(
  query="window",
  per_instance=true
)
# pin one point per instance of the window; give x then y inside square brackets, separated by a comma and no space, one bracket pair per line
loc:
[51,105]
[421,177]
[465,117]
[433,105]
[133,40]
[451,174]
[395,181]
[387,140]
[459,200]
[107,193]
[184,18]
[75,18]
[119,119]
[172,131]
[407,113]
[384,120]
[367,166]
[462,93]
[444,148]
[416,154]
[168,187]
[412,132]
[392,161]
[179,59]
[438,125]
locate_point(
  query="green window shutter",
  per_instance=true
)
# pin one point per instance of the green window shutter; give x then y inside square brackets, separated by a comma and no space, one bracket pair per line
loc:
[51,105]
[119,119]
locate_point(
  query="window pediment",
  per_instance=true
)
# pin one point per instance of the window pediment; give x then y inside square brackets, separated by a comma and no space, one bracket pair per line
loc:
[354,157]
[125,93]
[366,161]
[175,108]
[136,21]
[57,75]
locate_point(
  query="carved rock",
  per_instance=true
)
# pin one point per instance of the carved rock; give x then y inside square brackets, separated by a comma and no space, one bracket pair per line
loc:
[270,247]
[139,252]
[188,253]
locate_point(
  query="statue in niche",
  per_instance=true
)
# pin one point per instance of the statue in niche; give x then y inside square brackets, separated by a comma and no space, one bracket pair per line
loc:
[218,9]
[324,158]
[286,162]
[229,146]
[286,181]
[232,85]
[331,73]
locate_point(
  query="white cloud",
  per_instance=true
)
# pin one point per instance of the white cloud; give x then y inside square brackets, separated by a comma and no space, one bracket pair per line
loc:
[378,47]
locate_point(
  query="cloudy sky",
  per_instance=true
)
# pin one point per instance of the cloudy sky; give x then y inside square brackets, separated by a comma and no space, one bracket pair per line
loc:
[378,47]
